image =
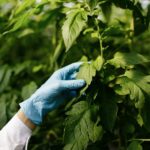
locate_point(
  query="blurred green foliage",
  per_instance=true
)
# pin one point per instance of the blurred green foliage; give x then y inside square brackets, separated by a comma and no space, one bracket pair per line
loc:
[38,37]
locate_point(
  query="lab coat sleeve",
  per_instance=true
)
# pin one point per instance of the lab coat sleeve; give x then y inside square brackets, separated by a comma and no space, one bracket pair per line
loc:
[14,135]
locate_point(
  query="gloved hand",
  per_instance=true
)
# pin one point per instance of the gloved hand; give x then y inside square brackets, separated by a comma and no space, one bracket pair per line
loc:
[59,87]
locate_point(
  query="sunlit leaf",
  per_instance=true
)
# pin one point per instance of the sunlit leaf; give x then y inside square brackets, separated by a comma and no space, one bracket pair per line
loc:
[125,59]
[76,21]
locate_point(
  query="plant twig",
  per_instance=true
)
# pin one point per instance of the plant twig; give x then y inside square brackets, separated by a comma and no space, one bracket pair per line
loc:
[142,140]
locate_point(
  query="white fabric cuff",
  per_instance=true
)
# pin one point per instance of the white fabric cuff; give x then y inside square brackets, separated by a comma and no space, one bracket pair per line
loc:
[14,135]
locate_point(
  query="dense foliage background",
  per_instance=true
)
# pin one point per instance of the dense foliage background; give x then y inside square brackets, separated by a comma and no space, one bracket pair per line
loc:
[112,111]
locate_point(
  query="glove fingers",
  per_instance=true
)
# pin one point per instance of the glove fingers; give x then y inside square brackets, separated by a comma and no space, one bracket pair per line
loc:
[72,84]
[71,68]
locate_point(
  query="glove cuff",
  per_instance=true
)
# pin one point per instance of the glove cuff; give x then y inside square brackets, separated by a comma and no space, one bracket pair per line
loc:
[30,111]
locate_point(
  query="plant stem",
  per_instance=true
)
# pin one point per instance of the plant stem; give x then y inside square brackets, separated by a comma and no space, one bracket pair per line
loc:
[142,140]
[100,39]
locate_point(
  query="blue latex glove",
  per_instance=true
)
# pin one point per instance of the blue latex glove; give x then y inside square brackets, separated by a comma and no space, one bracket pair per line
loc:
[61,86]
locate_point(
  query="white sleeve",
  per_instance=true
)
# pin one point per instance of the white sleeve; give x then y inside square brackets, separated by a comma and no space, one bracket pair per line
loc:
[14,135]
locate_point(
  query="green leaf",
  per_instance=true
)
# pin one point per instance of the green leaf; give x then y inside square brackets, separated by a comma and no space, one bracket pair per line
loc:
[76,21]
[125,59]
[2,72]
[124,4]
[19,21]
[12,106]
[98,63]
[135,1]
[37,68]
[21,67]
[3,114]
[145,113]
[113,31]
[28,90]
[140,79]
[129,87]
[135,146]
[86,72]
[79,128]
[128,128]
[148,17]
[93,3]
[22,15]
[23,5]
[26,32]
[140,120]
[6,78]
[139,22]
[108,111]
[107,10]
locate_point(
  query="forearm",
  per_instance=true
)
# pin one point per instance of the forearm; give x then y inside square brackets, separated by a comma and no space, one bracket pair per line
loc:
[25,120]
